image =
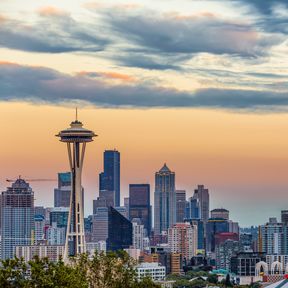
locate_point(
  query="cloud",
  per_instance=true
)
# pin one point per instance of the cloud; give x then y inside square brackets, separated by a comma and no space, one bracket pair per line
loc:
[51,11]
[264,6]
[43,85]
[109,75]
[57,34]
[194,34]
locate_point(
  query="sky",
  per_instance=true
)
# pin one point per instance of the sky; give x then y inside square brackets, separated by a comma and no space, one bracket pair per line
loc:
[199,85]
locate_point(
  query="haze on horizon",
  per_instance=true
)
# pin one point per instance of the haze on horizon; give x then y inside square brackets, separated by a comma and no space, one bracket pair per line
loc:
[201,86]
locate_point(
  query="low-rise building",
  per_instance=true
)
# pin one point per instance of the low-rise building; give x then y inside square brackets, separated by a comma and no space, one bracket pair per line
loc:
[52,252]
[153,270]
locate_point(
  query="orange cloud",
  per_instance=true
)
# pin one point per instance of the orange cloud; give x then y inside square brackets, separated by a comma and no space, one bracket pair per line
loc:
[119,76]
[2,19]
[51,11]
[7,63]
[110,75]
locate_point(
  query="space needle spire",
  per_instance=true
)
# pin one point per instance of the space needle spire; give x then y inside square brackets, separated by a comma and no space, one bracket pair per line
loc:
[76,138]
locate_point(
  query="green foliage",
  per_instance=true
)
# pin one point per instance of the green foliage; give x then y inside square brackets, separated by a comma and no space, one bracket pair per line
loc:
[228,281]
[212,278]
[111,270]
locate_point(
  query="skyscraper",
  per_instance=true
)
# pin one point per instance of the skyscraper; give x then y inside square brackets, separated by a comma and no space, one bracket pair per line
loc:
[139,204]
[106,199]
[17,215]
[165,200]
[180,205]
[119,231]
[63,191]
[109,179]
[76,138]
[202,194]
[182,238]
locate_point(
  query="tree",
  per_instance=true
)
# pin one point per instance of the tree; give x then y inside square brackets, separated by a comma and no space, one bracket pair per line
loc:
[212,278]
[228,281]
[111,270]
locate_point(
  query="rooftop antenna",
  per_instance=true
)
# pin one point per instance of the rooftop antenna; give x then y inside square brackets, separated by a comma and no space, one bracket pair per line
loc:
[76,114]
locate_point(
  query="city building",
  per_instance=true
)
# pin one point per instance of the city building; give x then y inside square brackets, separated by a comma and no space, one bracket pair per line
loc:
[126,204]
[246,242]
[109,179]
[39,210]
[180,205]
[165,200]
[55,235]
[244,264]
[183,238]
[224,252]
[193,208]
[92,247]
[138,234]
[63,191]
[17,217]
[214,226]
[76,137]
[171,261]
[39,226]
[153,270]
[220,238]
[119,231]
[52,252]
[220,213]
[100,225]
[106,199]
[234,227]
[59,215]
[284,217]
[202,194]
[271,237]
[139,204]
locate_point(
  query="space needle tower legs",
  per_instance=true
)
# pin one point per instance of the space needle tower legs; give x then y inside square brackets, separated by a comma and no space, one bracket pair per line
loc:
[76,138]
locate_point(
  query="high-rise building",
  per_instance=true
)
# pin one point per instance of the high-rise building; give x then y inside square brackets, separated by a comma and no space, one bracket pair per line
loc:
[284,217]
[213,227]
[165,200]
[109,179]
[180,205]
[271,237]
[55,235]
[139,204]
[138,234]
[76,137]
[17,217]
[119,231]
[63,191]
[106,199]
[100,224]
[220,213]
[192,208]
[224,252]
[59,215]
[202,194]
[126,204]
[39,210]
[183,238]
[39,224]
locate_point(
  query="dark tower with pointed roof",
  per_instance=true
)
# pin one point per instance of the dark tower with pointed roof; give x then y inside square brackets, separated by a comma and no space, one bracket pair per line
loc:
[165,200]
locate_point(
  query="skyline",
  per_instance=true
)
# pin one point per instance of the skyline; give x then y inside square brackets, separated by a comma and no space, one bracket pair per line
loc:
[219,196]
[201,86]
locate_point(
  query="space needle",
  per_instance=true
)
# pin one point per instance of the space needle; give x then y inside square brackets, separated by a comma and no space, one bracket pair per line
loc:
[76,138]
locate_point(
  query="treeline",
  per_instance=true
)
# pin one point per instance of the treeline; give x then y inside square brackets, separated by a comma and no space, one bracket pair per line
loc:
[111,270]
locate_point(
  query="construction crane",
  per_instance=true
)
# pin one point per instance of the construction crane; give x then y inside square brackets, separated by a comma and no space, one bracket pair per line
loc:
[31,180]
